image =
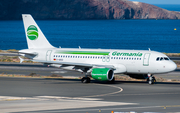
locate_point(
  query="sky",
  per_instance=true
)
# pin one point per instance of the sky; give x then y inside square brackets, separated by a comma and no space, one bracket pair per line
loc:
[159,1]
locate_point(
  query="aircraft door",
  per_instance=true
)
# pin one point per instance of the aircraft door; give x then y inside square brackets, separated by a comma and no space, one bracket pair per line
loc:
[48,55]
[146,59]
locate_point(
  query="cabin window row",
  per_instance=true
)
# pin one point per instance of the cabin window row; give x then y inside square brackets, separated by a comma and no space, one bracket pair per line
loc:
[125,58]
[66,56]
[96,57]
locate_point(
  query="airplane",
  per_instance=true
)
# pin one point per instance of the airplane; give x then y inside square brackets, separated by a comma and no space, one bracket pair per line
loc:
[99,64]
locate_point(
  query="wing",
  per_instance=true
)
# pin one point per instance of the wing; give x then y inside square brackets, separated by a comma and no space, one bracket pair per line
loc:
[75,64]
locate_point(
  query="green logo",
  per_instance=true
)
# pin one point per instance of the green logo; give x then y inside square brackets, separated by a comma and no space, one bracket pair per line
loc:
[32,32]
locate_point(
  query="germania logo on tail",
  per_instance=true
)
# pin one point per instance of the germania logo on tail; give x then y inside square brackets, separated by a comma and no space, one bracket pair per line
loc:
[32,32]
[99,64]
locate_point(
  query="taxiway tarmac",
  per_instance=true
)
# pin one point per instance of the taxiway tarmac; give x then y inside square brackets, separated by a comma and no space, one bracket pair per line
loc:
[69,95]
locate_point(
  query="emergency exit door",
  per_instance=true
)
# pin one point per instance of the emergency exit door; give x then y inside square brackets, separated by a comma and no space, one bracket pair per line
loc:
[48,55]
[146,59]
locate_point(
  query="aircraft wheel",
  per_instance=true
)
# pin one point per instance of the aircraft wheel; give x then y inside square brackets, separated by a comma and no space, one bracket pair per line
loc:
[85,80]
[151,80]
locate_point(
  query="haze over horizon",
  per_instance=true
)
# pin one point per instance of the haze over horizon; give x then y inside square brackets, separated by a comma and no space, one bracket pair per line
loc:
[159,1]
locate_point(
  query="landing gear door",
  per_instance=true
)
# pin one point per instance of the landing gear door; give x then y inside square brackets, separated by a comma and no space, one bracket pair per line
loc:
[48,55]
[146,59]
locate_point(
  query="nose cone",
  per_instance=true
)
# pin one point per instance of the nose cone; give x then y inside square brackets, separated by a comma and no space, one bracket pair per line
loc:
[172,66]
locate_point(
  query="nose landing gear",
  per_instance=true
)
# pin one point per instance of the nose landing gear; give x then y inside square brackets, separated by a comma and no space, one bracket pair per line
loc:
[151,79]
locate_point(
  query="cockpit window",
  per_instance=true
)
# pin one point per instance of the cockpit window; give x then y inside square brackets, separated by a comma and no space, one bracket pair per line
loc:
[161,58]
[157,59]
[166,58]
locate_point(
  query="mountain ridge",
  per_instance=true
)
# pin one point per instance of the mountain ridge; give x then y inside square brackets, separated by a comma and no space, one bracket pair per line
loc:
[82,10]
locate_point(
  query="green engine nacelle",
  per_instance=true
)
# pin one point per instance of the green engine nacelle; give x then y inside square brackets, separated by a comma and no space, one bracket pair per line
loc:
[102,74]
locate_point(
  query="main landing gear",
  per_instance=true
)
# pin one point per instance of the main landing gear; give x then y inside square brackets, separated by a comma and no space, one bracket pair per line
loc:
[85,80]
[151,79]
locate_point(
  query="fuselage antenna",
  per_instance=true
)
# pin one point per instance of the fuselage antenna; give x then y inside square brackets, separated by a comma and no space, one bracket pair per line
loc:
[149,49]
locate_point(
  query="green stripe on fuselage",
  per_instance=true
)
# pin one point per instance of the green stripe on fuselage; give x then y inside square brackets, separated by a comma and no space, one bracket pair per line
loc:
[83,52]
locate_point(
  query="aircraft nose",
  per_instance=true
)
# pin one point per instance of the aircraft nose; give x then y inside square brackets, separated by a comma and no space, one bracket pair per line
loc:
[172,66]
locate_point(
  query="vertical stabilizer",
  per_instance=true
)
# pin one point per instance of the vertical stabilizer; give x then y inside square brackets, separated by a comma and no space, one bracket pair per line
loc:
[34,36]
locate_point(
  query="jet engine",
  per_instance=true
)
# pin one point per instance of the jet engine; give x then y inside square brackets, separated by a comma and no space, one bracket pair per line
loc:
[102,74]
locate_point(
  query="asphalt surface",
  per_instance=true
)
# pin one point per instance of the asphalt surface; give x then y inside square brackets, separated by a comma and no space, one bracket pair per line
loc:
[69,95]
[48,95]
[28,68]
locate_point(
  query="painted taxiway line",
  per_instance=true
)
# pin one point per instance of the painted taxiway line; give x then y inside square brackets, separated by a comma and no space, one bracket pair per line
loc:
[119,91]
[10,98]
[41,103]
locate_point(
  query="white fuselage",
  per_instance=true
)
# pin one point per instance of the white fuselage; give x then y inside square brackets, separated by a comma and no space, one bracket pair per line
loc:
[124,61]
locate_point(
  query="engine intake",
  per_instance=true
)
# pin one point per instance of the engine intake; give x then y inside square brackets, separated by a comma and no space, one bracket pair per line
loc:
[102,74]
